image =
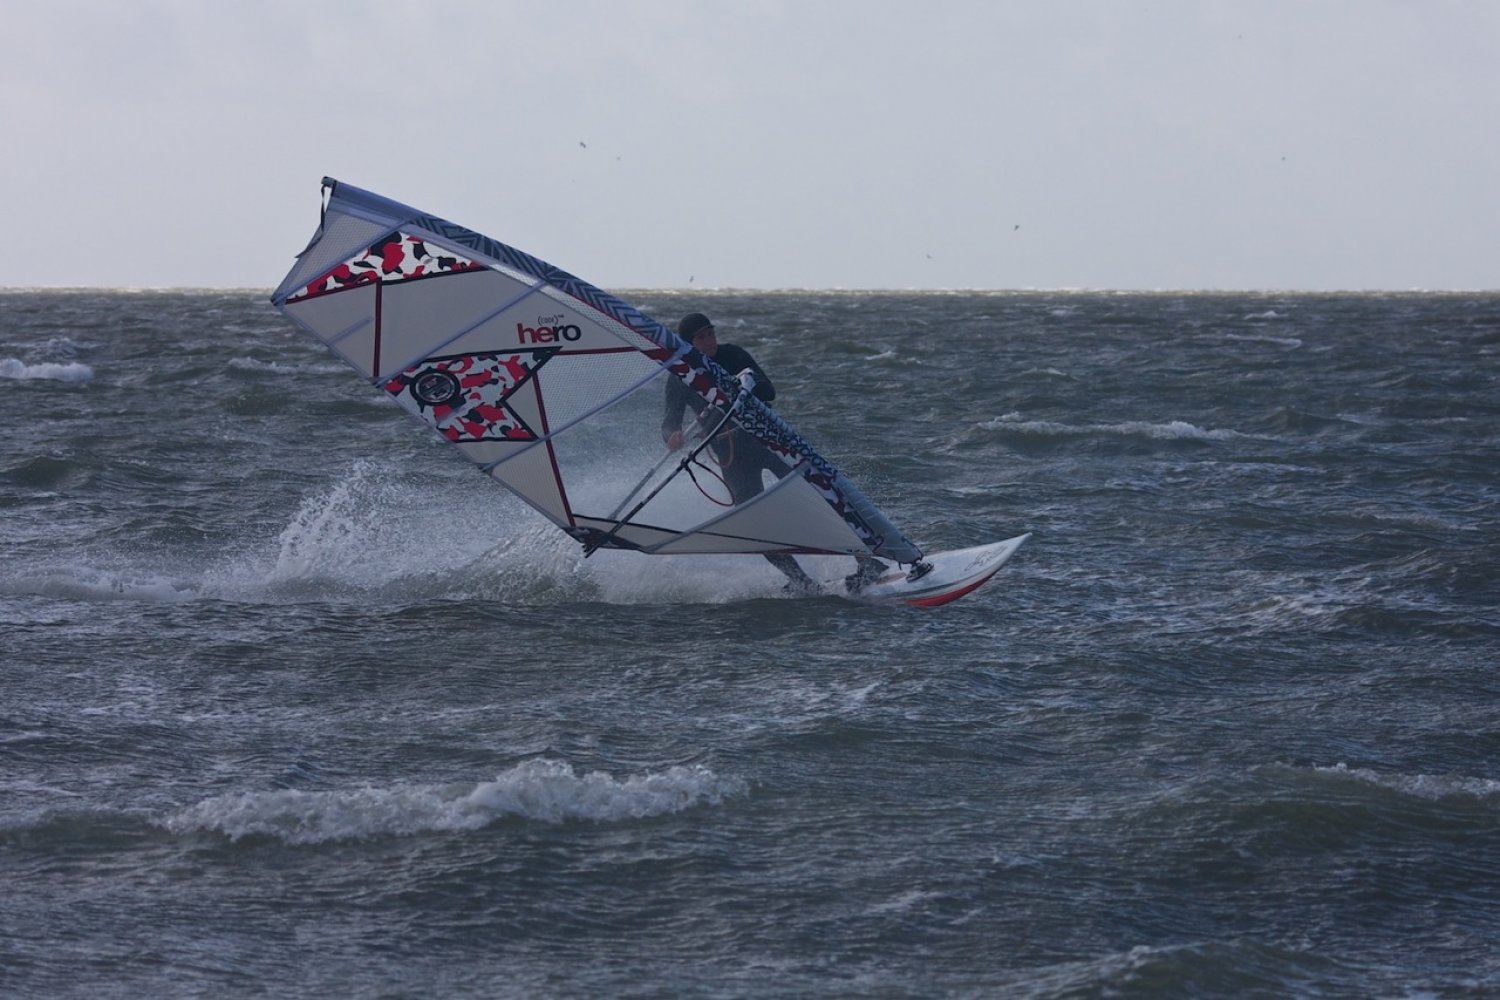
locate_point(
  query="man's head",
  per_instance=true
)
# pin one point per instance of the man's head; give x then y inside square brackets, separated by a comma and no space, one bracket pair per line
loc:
[698,330]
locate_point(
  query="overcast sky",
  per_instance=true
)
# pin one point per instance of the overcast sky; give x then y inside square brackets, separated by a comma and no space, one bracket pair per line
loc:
[1288,144]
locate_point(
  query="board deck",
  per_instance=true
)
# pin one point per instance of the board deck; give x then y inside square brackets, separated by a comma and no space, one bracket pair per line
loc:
[954,574]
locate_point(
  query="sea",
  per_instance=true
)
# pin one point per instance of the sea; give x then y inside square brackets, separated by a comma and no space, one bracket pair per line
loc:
[293,703]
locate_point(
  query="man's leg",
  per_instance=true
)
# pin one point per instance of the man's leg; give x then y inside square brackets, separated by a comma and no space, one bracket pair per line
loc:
[742,476]
[867,570]
[796,576]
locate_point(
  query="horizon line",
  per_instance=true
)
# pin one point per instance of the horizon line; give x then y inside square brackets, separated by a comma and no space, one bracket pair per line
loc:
[839,289]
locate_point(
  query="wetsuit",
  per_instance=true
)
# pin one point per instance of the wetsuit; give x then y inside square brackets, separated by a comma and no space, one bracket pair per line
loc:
[741,456]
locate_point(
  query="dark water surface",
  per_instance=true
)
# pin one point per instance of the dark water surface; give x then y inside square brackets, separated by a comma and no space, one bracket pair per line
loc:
[295,704]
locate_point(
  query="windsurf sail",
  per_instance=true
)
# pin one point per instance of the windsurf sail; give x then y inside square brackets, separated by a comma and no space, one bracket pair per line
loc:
[555,388]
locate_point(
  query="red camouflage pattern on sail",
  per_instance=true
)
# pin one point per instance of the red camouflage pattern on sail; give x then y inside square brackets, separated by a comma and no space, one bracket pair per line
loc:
[398,257]
[464,396]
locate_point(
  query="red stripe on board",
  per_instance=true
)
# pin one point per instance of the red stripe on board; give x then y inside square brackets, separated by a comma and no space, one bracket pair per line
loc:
[952,595]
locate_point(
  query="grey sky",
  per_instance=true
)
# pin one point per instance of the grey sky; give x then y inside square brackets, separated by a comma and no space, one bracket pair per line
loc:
[1307,144]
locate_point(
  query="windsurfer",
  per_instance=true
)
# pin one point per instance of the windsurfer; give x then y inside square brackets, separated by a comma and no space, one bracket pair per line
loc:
[741,457]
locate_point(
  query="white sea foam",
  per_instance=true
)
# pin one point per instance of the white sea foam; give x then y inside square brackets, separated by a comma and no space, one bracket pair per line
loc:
[1423,786]
[1266,339]
[547,791]
[85,583]
[72,371]
[256,365]
[338,534]
[371,532]
[1173,430]
[296,366]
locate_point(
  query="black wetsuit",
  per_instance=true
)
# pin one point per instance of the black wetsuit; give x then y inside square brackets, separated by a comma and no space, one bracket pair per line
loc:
[741,456]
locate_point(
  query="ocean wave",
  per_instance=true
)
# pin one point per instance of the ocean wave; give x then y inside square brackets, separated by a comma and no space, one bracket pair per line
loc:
[45,472]
[1429,787]
[1172,430]
[547,791]
[72,371]
[67,346]
[1407,594]
[1284,419]
[1273,808]
[294,366]
[93,585]
[1213,968]
[1042,375]
[1291,342]
[257,365]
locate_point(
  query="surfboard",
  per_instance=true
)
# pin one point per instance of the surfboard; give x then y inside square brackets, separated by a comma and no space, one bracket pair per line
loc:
[954,573]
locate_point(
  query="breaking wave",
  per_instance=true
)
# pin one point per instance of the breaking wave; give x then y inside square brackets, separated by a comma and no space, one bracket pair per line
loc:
[1434,788]
[547,791]
[72,371]
[1172,430]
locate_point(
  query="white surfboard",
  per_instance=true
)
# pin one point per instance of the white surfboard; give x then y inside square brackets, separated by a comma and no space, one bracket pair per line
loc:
[953,574]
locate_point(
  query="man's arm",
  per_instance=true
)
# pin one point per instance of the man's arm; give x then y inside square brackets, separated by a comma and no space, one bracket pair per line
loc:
[671,417]
[735,359]
[677,397]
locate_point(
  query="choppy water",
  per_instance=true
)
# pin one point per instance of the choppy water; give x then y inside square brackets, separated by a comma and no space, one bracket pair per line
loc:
[295,704]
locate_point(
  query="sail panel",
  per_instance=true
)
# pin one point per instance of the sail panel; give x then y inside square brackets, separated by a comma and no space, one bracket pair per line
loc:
[651,539]
[793,514]
[337,239]
[427,318]
[530,473]
[345,323]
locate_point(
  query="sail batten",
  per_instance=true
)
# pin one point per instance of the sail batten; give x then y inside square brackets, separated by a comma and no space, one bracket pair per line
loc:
[545,383]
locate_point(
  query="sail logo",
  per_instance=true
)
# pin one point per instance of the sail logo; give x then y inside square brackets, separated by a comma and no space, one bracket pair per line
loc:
[467,397]
[548,330]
